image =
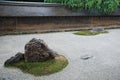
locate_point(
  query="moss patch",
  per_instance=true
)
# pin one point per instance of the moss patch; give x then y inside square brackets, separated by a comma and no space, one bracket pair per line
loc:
[88,33]
[41,68]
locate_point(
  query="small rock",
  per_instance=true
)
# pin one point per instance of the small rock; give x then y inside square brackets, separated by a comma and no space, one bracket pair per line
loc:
[86,57]
[18,57]
[60,57]
[97,29]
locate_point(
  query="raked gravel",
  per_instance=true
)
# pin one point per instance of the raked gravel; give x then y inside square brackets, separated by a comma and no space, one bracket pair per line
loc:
[103,65]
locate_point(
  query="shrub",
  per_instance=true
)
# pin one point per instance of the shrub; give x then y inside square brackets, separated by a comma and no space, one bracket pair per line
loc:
[99,6]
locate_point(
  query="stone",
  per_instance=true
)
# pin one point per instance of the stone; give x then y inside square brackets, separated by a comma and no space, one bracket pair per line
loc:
[97,29]
[60,58]
[86,57]
[15,59]
[36,50]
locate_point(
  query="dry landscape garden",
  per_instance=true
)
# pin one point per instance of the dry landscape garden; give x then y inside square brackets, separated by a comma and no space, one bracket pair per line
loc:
[90,57]
[59,40]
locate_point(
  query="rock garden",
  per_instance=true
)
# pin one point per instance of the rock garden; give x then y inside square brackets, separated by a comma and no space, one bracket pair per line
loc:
[38,59]
[41,55]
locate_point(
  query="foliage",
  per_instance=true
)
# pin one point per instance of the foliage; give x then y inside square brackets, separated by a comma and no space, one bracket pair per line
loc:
[99,6]
[40,68]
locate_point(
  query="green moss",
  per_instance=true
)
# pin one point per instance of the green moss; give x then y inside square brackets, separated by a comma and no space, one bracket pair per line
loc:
[41,68]
[88,33]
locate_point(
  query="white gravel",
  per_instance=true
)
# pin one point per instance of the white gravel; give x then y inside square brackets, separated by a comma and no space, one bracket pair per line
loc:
[103,65]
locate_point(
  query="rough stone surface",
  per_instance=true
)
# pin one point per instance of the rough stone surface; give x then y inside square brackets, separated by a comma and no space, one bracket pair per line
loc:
[18,57]
[37,50]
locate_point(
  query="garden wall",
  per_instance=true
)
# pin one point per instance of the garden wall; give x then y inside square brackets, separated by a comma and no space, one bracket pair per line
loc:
[44,23]
[19,16]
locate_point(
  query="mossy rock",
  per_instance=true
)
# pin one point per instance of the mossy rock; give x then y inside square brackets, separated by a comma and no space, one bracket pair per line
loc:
[42,68]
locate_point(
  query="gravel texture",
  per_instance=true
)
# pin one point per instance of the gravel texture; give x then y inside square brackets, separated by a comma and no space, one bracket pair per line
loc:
[103,65]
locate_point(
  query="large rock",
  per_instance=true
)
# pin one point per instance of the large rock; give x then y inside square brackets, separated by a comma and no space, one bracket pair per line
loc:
[37,51]
[15,59]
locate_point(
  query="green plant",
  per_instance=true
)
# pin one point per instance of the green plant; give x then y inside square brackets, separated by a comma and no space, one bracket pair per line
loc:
[74,4]
[99,6]
[109,6]
[119,2]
